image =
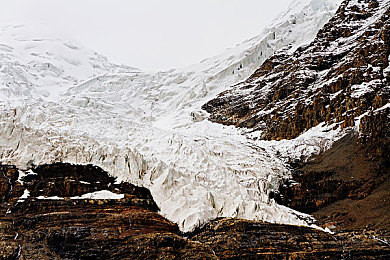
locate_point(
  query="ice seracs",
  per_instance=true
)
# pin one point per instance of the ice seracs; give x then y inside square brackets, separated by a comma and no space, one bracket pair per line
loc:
[148,128]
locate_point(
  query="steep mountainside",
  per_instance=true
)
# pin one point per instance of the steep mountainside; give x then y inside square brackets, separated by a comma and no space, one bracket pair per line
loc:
[341,75]
[149,129]
[341,80]
[125,165]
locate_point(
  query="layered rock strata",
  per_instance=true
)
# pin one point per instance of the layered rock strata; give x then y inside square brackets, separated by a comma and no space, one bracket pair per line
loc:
[64,211]
[79,212]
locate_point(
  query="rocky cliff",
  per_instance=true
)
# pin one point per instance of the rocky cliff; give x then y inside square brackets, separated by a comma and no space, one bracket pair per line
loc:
[64,211]
[342,79]
[242,239]
[341,75]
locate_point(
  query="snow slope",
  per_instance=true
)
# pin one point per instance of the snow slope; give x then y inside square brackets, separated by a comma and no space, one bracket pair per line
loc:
[37,63]
[148,128]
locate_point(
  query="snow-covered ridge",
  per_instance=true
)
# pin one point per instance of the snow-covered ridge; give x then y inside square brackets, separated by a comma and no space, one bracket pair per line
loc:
[149,129]
[170,99]
[39,63]
[292,29]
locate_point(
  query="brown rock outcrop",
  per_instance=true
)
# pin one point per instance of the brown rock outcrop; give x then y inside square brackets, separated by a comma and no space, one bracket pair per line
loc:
[348,186]
[42,226]
[243,239]
[339,76]
[49,224]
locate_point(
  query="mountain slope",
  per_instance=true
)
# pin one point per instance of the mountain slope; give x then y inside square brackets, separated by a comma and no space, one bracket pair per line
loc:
[339,81]
[148,128]
[341,75]
[37,62]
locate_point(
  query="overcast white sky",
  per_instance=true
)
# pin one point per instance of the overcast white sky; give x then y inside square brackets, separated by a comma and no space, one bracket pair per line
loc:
[150,34]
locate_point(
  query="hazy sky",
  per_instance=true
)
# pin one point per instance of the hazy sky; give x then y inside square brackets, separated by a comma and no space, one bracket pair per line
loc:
[150,34]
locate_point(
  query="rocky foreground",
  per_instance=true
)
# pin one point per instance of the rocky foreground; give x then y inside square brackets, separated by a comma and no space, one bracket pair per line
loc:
[64,211]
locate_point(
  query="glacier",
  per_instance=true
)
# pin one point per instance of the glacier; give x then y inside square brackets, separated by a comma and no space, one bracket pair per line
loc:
[61,102]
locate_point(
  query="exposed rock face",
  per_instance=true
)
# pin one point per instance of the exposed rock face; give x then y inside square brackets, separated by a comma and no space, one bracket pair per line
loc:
[242,239]
[375,138]
[342,77]
[48,222]
[348,186]
[342,188]
[339,173]
[342,74]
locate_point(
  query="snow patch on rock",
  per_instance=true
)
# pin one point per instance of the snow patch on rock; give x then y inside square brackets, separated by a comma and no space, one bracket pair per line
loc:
[100,195]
